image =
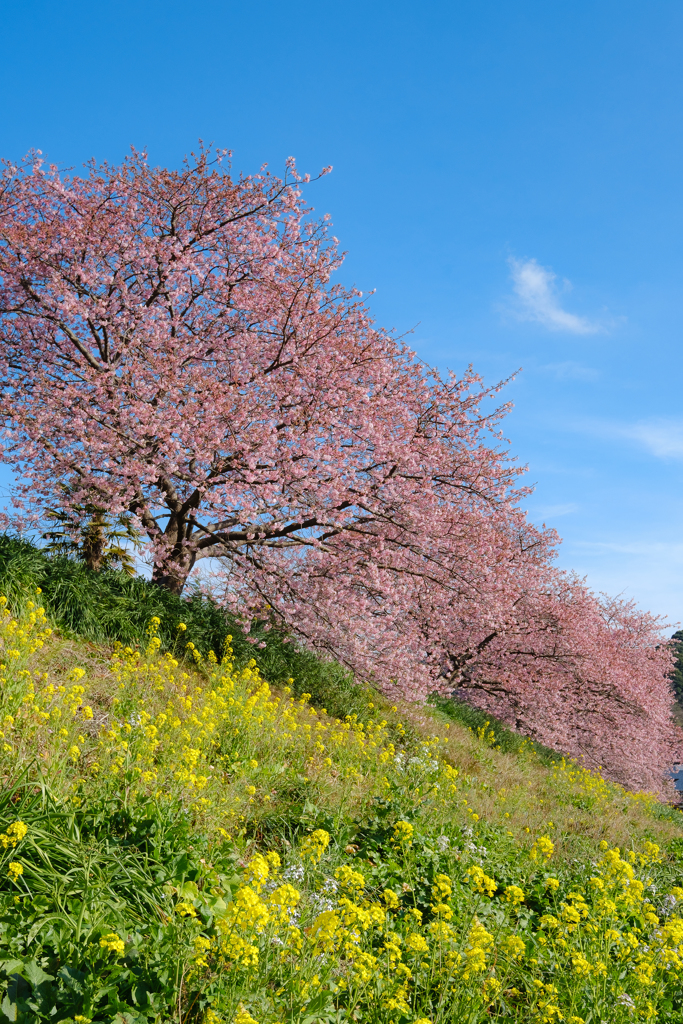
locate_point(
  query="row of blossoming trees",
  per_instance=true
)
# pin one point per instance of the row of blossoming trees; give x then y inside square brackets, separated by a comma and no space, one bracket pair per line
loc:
[172,348]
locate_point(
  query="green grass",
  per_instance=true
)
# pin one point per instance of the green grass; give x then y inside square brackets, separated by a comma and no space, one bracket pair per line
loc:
[500,736]
[111,606]
[152,788]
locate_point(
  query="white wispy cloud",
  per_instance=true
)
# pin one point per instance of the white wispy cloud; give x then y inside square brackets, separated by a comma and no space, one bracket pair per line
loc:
[538,300]
[662,436]
[649,549]
[553,511]
[570,370]
[649,571]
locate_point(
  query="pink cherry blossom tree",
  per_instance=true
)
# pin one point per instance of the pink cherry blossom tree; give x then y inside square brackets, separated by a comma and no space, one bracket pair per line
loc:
[172,348]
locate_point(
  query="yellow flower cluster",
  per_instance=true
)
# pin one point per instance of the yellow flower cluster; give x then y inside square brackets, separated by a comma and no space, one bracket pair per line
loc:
[314,846]
[403,833]
[385,961]
[111,943]
[13,835]
[543,848]
[15,870]
[481,881]
[590,790]
[38,718]
[217,739]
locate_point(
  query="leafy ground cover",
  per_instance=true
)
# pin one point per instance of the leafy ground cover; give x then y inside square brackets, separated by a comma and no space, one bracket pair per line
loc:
[184,838]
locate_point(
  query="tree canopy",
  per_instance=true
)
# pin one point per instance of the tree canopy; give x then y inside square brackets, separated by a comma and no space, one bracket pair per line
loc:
[174,350]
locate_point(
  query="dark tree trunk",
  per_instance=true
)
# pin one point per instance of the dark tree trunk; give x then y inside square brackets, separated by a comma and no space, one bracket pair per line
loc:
[169,578]
[94,542]
[172,574]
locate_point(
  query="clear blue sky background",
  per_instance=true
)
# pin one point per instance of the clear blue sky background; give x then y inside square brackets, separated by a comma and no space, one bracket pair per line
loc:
[479,148]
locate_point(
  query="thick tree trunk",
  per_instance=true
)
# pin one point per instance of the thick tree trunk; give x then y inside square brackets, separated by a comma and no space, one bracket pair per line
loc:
[172,574]
[168,581]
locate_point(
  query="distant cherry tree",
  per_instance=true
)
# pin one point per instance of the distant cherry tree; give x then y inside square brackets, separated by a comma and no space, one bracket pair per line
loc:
[173,350]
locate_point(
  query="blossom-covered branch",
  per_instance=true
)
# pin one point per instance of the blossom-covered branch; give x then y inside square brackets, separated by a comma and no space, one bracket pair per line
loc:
[173,348]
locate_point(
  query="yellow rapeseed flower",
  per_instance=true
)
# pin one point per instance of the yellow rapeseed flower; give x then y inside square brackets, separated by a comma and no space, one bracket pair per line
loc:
[514,895]
[112,943]
[243,1017]
[403,833]
[314,846]
[15,870]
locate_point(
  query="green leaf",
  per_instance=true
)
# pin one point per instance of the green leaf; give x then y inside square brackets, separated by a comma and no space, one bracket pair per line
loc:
[9,1008]
[315,1006]
[129,1018]
[72,979]
[10,966]
[140,994]
[188,890]
[216,905]
[35,973]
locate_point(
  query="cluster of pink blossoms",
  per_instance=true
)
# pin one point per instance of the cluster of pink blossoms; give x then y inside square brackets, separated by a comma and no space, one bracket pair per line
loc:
[172,348]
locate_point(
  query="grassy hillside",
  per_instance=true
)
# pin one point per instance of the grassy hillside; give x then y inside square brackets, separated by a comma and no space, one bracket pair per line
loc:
[188,835]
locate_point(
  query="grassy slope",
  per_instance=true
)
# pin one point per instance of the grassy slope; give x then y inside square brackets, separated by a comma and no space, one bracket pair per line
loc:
[160,794]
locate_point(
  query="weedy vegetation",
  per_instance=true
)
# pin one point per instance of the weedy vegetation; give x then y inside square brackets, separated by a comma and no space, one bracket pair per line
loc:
[188,834]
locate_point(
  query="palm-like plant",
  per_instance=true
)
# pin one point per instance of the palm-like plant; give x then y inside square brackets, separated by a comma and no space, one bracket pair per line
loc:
[86,532]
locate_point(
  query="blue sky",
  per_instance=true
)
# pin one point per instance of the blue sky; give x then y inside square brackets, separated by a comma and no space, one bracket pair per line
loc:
[507,178]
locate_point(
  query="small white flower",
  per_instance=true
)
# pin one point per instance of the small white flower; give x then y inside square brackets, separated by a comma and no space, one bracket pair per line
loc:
[294,873]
